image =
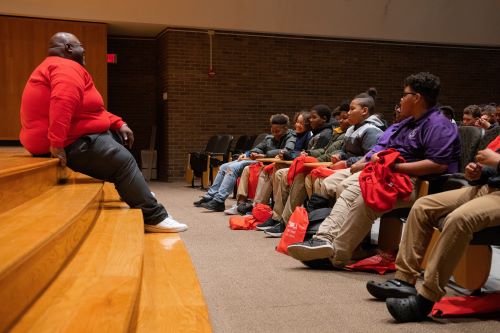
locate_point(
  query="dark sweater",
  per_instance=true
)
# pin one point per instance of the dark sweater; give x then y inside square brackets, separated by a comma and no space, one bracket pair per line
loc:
[271,147]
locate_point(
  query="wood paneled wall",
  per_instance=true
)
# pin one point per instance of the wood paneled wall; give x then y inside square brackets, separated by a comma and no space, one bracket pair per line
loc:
[23,45]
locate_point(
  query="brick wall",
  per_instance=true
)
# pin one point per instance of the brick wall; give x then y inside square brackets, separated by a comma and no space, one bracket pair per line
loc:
[132,86]
[258,76]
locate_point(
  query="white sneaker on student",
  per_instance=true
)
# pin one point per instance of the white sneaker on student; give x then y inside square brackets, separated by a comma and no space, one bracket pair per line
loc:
[232,211]
[167,225]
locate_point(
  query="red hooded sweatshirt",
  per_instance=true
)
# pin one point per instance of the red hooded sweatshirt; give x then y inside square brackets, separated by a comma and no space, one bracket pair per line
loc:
[59,105]
[380,186]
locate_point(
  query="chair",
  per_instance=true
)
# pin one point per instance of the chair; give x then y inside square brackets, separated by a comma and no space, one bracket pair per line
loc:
[240,146]
[258,139]
[470,139]
[218,156]
[196,161]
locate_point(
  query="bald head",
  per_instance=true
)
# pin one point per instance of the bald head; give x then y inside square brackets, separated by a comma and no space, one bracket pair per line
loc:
[67,45]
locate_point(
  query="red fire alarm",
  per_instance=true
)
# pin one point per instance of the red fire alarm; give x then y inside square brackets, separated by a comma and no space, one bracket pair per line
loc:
[111,58]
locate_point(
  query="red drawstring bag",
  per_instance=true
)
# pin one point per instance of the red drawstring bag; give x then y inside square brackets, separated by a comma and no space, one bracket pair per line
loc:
[269,168]
[467,305]
[253,178]
[321,172]
[380,186]
[247,222]
[299,167]
[261,212]
[380,263]
[295,230]
[495,144]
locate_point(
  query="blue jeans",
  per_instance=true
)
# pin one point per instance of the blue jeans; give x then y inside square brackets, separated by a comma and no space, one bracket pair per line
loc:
[101,157]
[226,179]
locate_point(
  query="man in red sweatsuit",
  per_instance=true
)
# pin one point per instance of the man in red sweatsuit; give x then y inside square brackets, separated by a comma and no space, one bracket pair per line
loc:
[63,115]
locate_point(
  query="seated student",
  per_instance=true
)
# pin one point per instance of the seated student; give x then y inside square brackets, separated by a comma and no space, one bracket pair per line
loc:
[359,138]
[337,113]
[287,196]
[322,133]
[448,112]
[497,114]
[487,119]
[427,141]
[465,211]
[281,138]
[471,114]
[263,192]
[332,186]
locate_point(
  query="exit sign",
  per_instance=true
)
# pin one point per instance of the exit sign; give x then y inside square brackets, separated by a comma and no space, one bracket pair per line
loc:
[111,58]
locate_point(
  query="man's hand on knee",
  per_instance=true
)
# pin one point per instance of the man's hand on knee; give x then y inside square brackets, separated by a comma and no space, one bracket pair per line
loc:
[127,135]
[60,154]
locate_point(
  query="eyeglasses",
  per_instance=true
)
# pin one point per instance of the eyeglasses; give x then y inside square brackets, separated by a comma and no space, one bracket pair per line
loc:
[408,93]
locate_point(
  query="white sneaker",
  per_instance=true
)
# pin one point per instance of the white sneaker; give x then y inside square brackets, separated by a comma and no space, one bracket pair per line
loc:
[167,225]
[232,211]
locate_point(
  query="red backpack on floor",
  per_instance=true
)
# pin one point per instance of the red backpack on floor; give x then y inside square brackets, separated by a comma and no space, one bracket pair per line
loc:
[295,230]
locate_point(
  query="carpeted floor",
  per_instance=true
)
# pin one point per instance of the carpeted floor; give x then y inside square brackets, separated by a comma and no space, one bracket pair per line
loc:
[249,287]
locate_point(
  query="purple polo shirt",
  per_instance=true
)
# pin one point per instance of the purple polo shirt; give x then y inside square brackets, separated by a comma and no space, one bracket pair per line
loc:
[432,137]
[383,140]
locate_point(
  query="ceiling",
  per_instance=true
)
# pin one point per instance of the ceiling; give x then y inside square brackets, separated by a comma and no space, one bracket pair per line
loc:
[462,22]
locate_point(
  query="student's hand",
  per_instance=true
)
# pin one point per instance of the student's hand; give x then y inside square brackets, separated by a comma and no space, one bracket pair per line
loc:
[473,171]
[488,157]
[303,153]
[374,158]
[281,154]
[127,135]
[335,158]
[254,155]
[482,123]
[60,154]
[242,157]
[358,166]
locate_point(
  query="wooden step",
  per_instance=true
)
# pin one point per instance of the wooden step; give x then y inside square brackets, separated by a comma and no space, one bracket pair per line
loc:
[37,238]
[111,198]
[171,296]
[23,177]
[99,289]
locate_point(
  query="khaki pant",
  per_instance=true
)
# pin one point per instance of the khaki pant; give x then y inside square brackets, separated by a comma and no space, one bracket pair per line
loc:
[264,187]
[332,186]
[351,220]
[466,210]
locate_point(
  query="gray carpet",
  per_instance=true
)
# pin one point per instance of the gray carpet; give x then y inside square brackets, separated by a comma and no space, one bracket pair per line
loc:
[249,287]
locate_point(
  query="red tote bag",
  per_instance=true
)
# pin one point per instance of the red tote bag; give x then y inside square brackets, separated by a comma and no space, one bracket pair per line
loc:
[295,230]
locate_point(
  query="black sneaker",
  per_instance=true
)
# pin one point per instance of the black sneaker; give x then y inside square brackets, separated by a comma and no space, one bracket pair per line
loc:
[391,289]
[214,205]
[199,202]
[276,231]
[312,249]
[267,224]
[245,207]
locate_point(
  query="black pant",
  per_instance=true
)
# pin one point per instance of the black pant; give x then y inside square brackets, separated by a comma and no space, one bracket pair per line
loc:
[101,157]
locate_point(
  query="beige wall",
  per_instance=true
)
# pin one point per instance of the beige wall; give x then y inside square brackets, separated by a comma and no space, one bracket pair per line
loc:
[433,21]
[23,45]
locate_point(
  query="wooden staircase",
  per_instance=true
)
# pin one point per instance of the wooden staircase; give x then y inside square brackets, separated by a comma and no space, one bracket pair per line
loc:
[74,258]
